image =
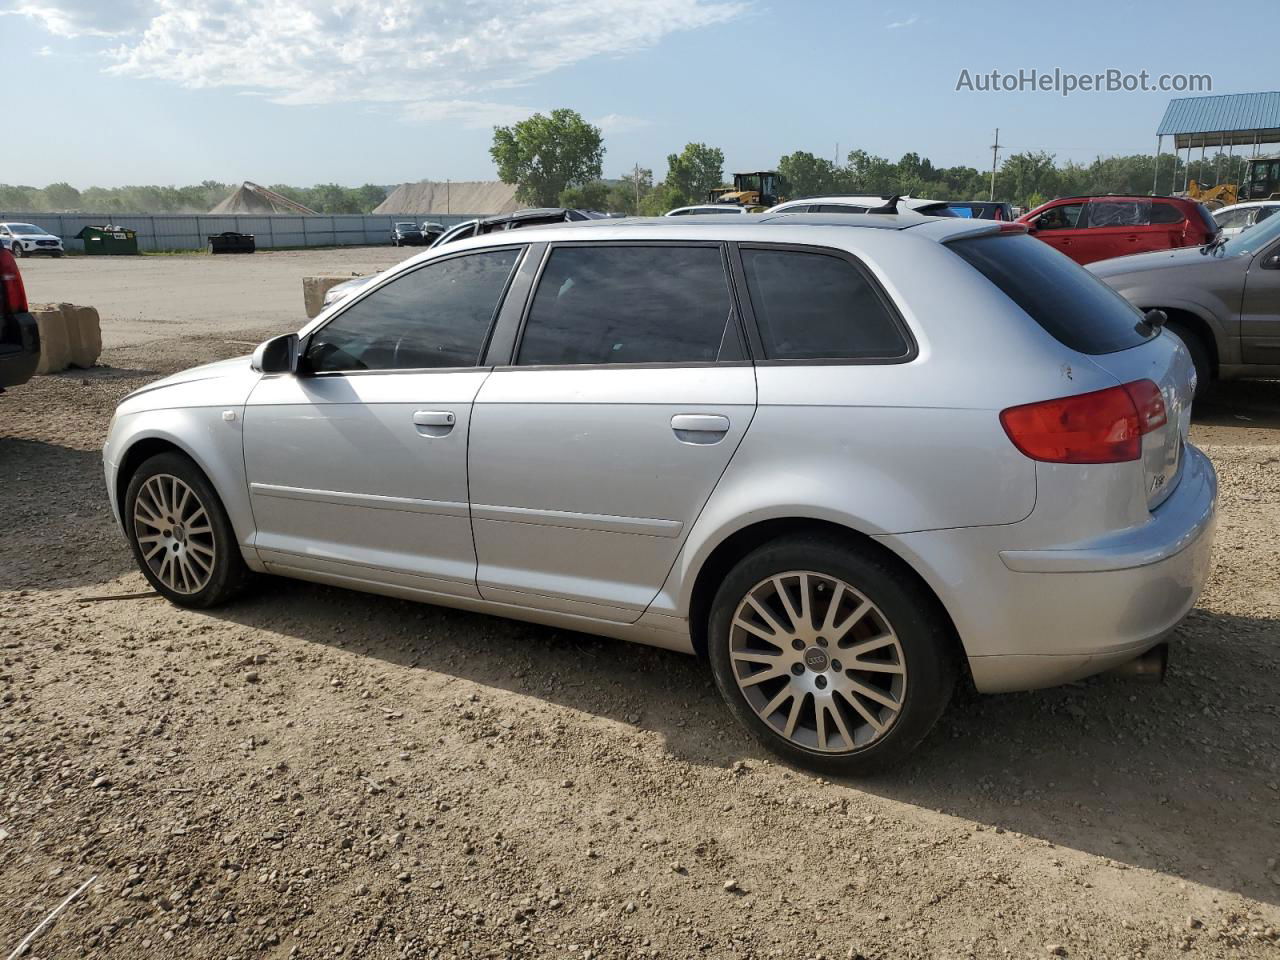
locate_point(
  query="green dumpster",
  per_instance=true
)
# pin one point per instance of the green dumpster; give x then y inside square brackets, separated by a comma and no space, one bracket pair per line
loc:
[108,240]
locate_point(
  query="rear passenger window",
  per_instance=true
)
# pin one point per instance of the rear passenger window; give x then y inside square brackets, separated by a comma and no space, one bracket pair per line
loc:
[1119,213]
[814,306]
[631,304]
[1165,213]
[836,208]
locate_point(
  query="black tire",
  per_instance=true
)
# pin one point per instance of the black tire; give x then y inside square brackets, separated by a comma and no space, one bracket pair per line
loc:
[228,574]
[1200,355]
[927,647]
[17,251]
[57,254]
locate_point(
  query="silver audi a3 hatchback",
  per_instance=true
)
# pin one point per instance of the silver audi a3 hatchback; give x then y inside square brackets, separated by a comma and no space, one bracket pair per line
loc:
[848,460]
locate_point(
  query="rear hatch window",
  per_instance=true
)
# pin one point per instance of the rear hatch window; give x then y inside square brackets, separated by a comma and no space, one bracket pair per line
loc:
[1071,304]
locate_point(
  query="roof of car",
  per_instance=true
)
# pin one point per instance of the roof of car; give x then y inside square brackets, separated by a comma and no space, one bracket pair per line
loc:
[936,228]
[1248,203]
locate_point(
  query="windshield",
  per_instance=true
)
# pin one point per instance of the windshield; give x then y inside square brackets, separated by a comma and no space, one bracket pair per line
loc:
[1253,239]
[406,226]
[26,229]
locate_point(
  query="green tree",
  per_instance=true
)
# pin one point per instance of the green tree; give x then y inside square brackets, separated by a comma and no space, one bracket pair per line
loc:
[544,155]
[804,175]
[61,196]
[17,198]
[693,172]
[588,196]
[871,174]
[632,188]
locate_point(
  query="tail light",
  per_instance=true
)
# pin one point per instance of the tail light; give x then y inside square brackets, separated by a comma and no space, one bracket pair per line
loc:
[13,295]
[1105,426]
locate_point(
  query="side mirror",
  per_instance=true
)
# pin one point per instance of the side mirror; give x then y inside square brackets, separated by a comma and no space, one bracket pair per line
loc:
[277,355]
[1272,262]
[1156,317]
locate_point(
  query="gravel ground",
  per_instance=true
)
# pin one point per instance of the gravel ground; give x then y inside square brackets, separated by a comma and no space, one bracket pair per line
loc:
[312,772]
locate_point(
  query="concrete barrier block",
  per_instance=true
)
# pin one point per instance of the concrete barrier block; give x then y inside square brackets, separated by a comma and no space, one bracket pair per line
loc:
[314,289]
[55,344]
[84,331]
[70,336]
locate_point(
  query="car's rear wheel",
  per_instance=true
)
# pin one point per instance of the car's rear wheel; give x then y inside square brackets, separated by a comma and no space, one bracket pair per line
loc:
[830,655]
[180,533]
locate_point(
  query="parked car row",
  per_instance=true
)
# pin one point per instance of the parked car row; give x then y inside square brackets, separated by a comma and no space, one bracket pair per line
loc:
[757,438]
[409,233]
[532,217]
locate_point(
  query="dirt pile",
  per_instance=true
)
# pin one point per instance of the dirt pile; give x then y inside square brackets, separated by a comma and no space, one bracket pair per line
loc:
[252,198]
[461,196]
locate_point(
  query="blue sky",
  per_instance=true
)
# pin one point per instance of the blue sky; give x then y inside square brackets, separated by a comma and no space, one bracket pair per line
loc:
[110,92]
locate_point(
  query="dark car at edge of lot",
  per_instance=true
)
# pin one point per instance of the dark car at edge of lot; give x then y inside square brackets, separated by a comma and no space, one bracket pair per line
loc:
[1116,225]
[19,334]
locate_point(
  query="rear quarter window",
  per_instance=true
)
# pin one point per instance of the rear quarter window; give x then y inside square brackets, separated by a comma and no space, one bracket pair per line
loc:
[1071,304]
[819,306]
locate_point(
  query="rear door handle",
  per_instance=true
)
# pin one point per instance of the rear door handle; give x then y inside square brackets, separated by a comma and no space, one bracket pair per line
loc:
[699,427]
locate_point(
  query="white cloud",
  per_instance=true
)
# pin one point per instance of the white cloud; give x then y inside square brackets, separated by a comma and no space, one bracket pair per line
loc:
[45,51]
[898,24]
[73,18]
[433,56]
[621,123]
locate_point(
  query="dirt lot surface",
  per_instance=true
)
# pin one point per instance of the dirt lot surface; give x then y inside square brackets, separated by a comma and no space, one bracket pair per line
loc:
[145,299]
[316,773]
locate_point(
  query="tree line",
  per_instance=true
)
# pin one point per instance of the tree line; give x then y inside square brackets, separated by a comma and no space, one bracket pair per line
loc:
[197,198]
[558,160]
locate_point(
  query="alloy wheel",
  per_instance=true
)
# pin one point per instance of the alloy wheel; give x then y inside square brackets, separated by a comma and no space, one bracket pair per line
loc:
[174,533]
[817,661]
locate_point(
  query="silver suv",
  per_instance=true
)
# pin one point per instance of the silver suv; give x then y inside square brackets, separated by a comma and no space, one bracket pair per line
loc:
[846,459]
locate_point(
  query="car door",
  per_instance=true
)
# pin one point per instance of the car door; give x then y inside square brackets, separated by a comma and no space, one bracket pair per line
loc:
[357,466]
[1260,308]
[595,449]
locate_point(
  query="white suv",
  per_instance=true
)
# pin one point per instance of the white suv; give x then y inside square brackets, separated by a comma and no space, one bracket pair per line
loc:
[25,239]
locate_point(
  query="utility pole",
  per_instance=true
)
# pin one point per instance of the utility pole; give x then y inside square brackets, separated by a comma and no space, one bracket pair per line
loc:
[995,152]
[635,182]
[448,196]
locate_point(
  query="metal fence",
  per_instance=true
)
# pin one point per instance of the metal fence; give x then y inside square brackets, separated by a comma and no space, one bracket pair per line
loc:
[181,231]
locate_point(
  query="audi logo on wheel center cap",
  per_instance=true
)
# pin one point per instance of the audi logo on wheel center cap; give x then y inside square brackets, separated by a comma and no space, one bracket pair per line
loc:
[815,658]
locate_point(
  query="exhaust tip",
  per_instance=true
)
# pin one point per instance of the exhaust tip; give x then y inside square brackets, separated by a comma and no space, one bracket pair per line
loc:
[1149,667]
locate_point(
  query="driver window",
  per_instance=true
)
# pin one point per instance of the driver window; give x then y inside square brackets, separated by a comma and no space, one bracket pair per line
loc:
[436,316]
[1062,217]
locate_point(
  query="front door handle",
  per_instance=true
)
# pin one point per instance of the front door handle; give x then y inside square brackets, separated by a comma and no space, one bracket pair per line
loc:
[433,423]
[433,418]
[699,427]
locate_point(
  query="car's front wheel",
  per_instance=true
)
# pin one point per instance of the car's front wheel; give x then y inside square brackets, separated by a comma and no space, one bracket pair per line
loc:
[180,533]
[831,655]
[17,250]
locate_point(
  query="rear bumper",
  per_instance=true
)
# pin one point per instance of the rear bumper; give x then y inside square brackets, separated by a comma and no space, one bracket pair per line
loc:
[20,351]
[1037,618]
